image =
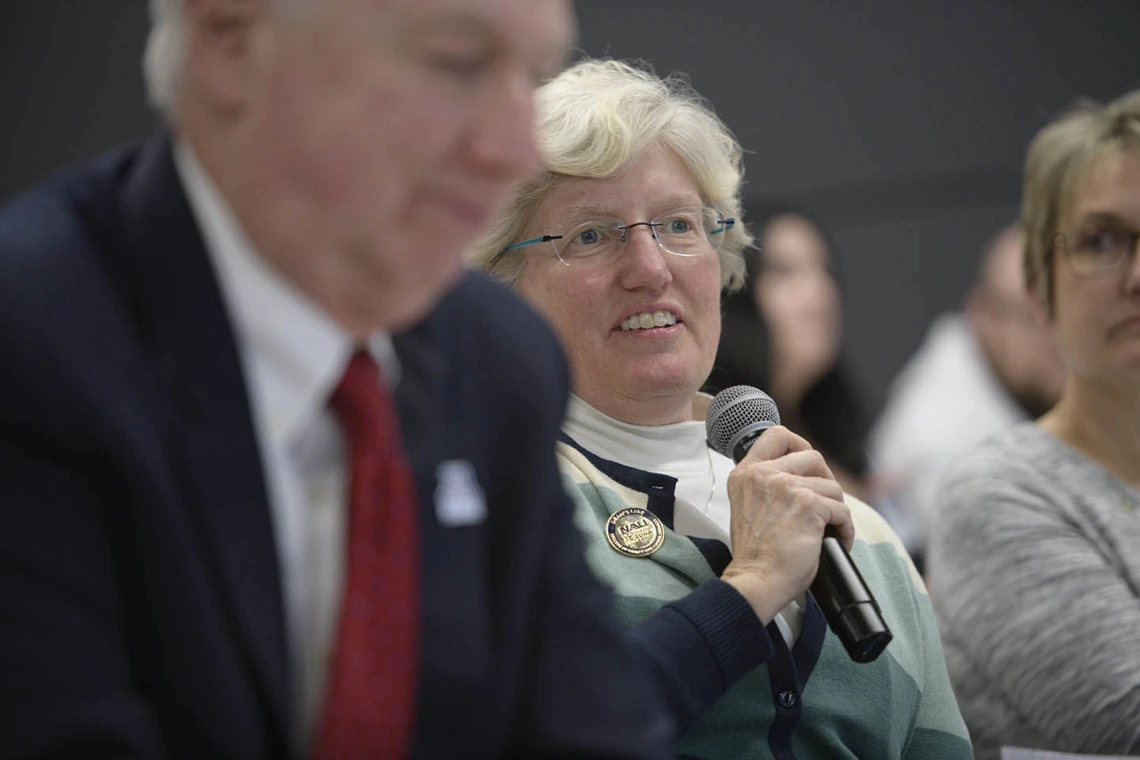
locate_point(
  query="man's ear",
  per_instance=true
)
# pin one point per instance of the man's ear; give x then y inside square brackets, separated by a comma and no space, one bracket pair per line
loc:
[224,50]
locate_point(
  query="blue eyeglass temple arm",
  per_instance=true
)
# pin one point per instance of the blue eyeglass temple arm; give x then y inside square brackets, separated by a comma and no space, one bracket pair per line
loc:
[532,241]
[547,238]
[727,225]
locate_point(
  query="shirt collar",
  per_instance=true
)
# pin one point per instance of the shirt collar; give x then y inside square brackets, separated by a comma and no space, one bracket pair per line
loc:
[293,353]
[642,446]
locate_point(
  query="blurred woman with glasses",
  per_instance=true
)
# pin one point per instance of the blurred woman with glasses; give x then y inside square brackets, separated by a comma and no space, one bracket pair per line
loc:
[625,242]
[1035,565]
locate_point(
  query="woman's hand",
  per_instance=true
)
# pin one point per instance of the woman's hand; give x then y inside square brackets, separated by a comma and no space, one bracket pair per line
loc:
[783,496]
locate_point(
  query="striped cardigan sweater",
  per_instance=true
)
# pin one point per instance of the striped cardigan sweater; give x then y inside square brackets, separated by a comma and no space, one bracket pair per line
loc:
[766,701]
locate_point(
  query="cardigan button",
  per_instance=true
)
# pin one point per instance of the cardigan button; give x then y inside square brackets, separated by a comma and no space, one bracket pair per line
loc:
[787,699]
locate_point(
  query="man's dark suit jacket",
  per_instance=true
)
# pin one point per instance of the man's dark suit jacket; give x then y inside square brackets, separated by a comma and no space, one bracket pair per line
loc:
[140,602]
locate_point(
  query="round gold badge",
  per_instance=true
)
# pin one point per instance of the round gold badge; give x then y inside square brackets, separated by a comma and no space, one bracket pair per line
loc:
[635,532]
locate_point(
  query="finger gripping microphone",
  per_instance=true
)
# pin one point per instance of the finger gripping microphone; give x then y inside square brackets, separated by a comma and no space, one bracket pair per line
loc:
[735,419]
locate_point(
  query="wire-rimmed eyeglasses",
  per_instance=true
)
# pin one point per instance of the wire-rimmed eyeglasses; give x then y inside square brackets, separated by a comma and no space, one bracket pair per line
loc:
[1099,251]
[686,231]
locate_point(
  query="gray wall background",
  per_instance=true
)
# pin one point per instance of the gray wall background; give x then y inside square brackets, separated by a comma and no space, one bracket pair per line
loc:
[901,124]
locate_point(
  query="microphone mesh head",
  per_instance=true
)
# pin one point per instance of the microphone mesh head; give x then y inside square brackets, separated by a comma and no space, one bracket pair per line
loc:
[732,410]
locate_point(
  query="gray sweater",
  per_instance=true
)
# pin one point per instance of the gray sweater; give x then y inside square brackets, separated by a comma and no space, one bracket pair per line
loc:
[1035,577]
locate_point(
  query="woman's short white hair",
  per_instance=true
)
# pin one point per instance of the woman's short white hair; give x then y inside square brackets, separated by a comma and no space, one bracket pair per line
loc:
[165,55]
[594,120]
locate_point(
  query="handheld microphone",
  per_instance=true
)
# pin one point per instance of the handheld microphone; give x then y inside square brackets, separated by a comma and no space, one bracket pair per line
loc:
[735,419]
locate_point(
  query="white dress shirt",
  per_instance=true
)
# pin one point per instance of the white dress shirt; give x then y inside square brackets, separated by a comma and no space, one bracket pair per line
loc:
[944,401]
[293,356]
[679,450]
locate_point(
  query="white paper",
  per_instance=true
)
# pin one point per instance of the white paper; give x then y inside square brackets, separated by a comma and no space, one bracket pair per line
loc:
[1020,753]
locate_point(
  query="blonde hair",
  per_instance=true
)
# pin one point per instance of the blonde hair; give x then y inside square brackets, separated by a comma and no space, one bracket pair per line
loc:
[1059,158]
[594,120]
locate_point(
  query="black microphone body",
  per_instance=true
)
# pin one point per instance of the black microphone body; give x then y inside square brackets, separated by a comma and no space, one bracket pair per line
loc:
[848,605]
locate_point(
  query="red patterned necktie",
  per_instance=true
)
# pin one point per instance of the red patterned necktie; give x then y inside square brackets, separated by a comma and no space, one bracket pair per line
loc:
[369,708]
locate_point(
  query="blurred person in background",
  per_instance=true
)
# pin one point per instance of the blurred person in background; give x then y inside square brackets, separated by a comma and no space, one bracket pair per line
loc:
[1035,555]
[782,332]
[278,476]
[625,242]
[977,373]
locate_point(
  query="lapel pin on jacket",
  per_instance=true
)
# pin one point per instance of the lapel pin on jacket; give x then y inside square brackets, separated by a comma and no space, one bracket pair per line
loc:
[635,532]
[458,496]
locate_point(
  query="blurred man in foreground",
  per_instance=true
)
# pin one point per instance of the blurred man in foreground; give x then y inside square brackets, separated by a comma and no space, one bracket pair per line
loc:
[278,480]
[977,373]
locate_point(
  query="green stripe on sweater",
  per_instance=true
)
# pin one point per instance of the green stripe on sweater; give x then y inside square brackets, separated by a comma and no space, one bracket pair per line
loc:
[917,647]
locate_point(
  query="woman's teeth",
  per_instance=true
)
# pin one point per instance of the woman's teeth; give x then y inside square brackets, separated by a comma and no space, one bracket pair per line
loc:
[648,319]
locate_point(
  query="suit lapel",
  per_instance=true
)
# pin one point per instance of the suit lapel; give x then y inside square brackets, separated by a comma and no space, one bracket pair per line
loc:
[211,436]
[456,597]
[420,396]
[426,428]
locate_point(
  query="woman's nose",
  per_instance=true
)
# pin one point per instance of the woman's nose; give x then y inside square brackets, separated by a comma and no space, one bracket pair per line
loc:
[643,263]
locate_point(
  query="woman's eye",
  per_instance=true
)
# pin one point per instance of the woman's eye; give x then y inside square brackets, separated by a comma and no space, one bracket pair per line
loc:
[778,269]
[587,237]
[1101,241]
[680,226]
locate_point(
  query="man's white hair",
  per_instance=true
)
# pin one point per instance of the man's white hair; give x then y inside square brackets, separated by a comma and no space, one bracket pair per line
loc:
[165,56]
